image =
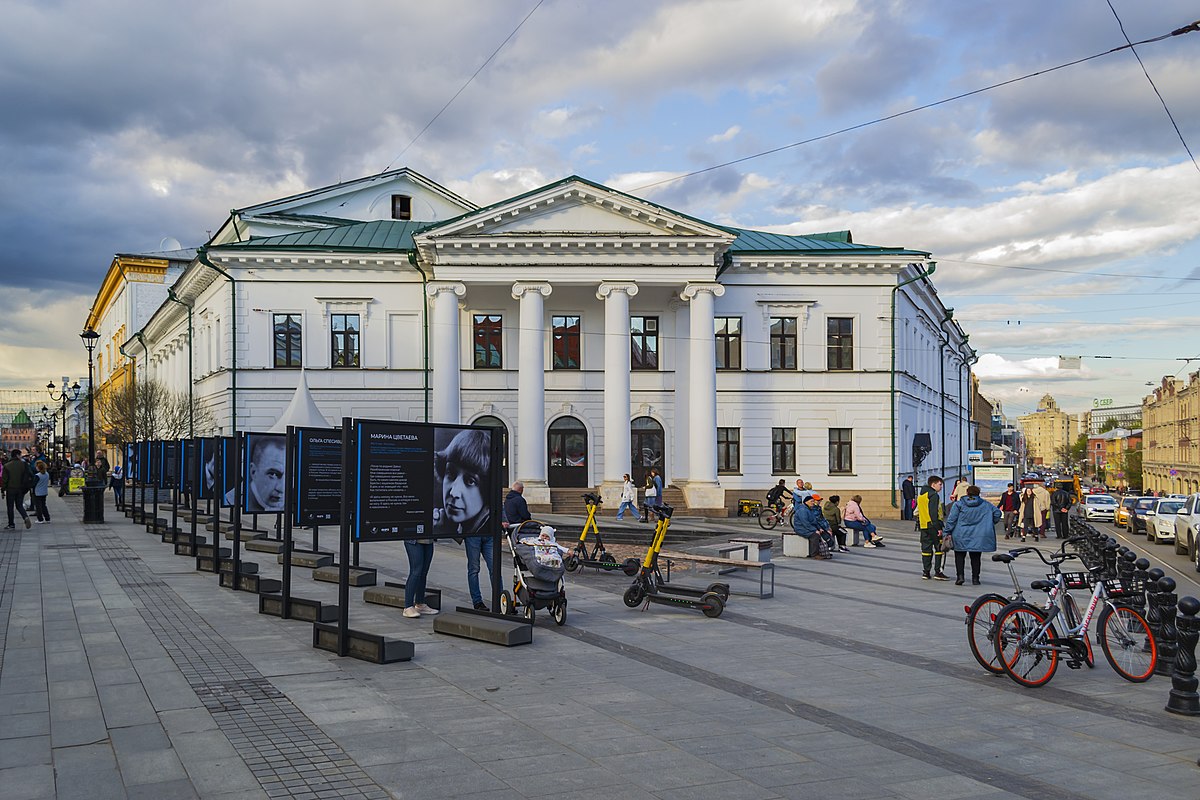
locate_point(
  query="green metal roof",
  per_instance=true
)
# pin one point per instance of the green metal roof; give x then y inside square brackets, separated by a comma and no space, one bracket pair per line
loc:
[22,418]
[831,243]
[384,234]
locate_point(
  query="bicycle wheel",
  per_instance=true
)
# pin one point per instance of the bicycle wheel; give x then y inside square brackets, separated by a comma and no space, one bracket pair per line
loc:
[1074,616]
[1127,643]
[981,622]
[768,518]
[1027,664]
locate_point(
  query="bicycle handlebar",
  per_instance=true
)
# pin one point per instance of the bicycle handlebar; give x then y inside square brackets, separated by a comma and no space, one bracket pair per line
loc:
[1053,561]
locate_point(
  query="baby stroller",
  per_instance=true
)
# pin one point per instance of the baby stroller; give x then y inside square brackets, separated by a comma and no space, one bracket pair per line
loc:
[538,570]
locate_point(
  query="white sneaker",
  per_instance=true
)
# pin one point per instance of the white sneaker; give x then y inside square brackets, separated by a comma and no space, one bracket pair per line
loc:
[868,544]
[411,612]
[425,610]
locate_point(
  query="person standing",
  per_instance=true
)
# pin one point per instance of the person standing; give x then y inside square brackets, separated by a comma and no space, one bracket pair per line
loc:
[972,524]
[1041,500]
[13,482]
[1060,505]
[808,522]
[420,556]
[117,481]
[628,497]
[1029,515]
[40,490]
[908,491]
[959,491]
[516,510]
[929,522]
[1009,504]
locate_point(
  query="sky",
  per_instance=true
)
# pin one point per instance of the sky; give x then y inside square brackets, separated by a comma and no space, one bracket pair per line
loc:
[1063,210]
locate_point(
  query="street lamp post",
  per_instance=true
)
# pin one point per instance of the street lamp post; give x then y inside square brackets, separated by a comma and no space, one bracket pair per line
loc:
[66,395]
[90,337]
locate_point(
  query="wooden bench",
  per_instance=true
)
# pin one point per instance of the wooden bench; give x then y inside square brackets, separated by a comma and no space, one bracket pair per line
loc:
[729,565]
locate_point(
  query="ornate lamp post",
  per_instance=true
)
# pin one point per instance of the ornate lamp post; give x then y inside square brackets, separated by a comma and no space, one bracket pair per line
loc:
[90,337]
[66,395]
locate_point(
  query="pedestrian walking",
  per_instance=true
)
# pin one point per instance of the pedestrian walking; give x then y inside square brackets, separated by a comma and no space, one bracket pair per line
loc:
[12,479]
[117,481]
[628,497]
[40,490]
[1010,504]
[929,521]
[1042,504]
[908,494]
[1030,516]
[971,524]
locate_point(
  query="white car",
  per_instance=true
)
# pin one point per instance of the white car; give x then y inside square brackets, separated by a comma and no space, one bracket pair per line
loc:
[1099,506]
[1187,529]
[1160,519]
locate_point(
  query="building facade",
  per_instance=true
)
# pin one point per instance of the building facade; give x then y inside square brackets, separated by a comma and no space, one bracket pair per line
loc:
[1171,452]
[604,333]
[1046,430]
[1109,456]
[1104,414]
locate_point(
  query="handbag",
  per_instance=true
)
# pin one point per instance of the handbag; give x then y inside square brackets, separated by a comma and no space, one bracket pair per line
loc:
[947,541]
[651,491]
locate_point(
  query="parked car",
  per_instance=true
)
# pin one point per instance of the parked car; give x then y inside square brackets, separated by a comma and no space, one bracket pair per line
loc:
[1098,506]
[1122,514]
[1160,519]
[1137,514]
[1187,529]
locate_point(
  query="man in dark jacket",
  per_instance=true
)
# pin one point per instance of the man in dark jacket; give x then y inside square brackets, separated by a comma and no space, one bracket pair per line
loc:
[14,489]
[808,522]
[929,522]
[775,496]
[1060,504]
[1009,504]
[516,510]
[908,491]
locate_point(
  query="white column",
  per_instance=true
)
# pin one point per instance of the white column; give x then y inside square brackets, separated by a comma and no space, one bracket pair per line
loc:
[531,391]
[617,448]
[702,490]
[443,335]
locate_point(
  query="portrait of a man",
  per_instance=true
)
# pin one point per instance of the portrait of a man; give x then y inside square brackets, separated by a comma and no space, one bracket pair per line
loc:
[265,471]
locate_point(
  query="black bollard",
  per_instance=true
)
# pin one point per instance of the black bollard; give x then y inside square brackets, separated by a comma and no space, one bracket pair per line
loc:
[1152,618]
[1140,569]
[1166,616]
[1183,699]
[1110,559]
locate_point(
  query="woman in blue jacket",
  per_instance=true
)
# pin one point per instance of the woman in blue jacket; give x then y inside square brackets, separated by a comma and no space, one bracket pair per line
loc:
[972,522]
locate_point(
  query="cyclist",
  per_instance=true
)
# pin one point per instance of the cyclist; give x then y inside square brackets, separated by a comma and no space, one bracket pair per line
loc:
[775,496]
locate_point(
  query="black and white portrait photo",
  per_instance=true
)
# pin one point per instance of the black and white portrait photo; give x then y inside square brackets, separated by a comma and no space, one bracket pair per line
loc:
[462,475]
[265,472]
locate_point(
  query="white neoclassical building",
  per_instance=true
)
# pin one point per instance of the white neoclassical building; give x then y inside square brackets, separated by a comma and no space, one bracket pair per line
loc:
[604,333]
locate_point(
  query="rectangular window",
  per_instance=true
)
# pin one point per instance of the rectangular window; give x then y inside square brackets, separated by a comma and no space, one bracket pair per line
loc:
[345,340]
[783,342]
[839,451]
[566,342]
[729,450]
[287,339]
[783,451]
[401,206]
[729,342]
[644,334]
[487,331]
[840,342]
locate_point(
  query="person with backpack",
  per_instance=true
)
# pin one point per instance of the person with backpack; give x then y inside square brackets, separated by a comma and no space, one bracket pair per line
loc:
[775,496]
[17,480]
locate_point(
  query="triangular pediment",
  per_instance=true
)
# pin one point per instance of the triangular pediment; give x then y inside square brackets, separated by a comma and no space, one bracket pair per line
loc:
[573,207]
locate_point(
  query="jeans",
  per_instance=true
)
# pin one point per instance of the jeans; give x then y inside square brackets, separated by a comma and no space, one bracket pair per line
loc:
[39,506]
[476,545]
[119,493]
[15,497]
[420,556]
[867,528]
[625,504]
[1060,524]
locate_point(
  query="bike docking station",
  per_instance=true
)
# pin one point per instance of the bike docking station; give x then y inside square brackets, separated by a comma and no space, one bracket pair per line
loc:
[599,558]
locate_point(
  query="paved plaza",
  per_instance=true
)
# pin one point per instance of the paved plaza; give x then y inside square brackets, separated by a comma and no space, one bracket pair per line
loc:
[126,673]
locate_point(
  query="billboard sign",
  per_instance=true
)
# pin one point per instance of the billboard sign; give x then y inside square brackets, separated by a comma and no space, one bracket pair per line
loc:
[317,476]
[993,479]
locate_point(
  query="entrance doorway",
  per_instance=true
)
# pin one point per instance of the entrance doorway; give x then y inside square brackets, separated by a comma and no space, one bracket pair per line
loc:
[649,445]
[566,453]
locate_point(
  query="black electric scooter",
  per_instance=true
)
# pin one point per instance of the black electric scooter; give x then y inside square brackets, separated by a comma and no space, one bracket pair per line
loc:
[598,558]
[649,587]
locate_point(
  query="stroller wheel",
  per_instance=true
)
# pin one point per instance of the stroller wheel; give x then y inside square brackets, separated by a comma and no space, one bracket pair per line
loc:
[634,596]
[529,615]
[713,605]
[558,612]
[506,603]
[631,566]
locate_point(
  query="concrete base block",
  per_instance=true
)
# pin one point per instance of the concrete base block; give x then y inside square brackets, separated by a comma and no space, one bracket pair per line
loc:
[795,546]
[248,534]
[265,546]
[247,567]
[705,498]
[537,493]
[359,576]
[300,608]
[251,583]
[362,645]
[307,560]
[493,630]
[392,594]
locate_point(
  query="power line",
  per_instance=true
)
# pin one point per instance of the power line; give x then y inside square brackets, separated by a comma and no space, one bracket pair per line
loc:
[1178,32]
[1146,72]
[462,88]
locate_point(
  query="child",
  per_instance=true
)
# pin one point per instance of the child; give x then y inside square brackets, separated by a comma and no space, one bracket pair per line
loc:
[40,490]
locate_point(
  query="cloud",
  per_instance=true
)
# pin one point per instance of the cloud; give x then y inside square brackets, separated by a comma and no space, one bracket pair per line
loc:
[730,133]
[41,336]
[993,367]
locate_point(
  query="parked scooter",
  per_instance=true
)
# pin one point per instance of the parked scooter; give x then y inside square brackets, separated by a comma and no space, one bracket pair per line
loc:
[649,587]
[599,558]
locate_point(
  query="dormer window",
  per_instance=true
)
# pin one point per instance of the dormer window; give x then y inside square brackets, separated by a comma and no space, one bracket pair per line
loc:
[401,206]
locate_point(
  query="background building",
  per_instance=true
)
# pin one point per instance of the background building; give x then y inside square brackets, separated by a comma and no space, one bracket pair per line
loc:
[1104,416]
[604,333]
[1171,453]
[1046,430]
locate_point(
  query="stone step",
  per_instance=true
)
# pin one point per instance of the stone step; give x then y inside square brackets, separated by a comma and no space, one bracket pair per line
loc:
[308,560]
[482,628]
[359,576]
[392,594]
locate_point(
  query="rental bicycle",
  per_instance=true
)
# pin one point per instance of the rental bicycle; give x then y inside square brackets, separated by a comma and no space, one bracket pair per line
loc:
[1029,647]
[770,516]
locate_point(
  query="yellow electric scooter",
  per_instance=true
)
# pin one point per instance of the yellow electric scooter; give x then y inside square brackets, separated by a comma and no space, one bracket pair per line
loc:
[649,587]
[599,558]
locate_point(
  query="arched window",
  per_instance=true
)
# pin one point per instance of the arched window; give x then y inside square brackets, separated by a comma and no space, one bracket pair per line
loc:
[566,453]
[649,449]
[502,429]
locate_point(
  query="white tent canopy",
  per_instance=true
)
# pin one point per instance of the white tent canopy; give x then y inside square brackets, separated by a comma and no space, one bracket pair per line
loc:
[302,412]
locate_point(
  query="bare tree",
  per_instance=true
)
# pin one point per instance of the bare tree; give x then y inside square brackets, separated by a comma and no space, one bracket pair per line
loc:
[149,410]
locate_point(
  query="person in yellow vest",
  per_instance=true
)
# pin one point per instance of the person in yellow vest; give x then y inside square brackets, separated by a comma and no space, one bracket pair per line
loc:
[929,521]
